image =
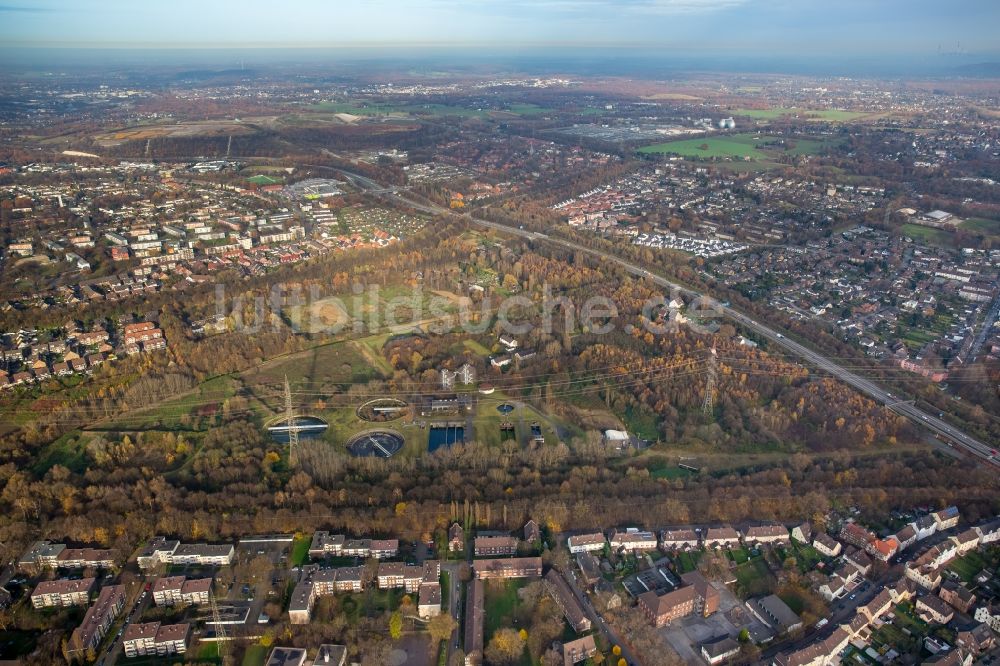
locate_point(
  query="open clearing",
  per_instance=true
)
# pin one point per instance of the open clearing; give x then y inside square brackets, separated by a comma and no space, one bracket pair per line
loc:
[750,146]
[828,115]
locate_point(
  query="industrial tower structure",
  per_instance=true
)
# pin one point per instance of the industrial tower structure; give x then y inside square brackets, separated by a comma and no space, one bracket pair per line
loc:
[293,431]
[709,403]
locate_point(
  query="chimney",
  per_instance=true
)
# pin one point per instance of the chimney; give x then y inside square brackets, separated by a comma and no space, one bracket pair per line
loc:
[326,657]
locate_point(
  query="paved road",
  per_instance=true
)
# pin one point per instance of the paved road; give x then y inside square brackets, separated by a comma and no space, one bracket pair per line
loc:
[991,317]
[950,433]
[454,604]
[598,621]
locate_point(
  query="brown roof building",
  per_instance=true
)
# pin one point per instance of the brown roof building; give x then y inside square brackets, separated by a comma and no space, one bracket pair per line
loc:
[567,601]
[516,567]
[662,610]
[495,545]
[475,616]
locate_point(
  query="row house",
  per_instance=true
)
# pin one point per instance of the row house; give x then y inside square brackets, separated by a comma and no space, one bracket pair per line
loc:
[679,539]
[99,617]
[856,535]
[989,615]
[761,534]
[860,560]
[965,541]
[632,539]
[883,549]
[574,613]
[179,591]
[925,526]
[84,558]
[933,609]
[58,593]
[582,543]
[722,537]
[957,596]
[825,652]
[495,545]
[155,639]
[906,537]
[946,518]
[990,532]
[517,567]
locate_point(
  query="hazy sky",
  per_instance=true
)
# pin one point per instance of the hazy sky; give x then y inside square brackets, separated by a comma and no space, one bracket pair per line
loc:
[762,26]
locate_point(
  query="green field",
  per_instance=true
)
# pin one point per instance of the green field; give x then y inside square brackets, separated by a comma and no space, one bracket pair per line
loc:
[928,235]
[753,578]
[830,115]
[262,179]
[981,225]
[300,550]
[738,146]
[500,605]
[255,655]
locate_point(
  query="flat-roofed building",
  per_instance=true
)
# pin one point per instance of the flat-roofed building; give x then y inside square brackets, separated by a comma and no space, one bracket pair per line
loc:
[40,555]
[323,544]
[203,554]
[58,593]
[286,656]
[331,655]
[157,551]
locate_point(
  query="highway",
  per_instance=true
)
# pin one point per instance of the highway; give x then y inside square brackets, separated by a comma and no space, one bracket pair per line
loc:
[957,437]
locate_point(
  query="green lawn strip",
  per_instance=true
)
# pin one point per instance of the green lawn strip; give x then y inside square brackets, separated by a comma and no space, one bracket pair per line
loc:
[300,549]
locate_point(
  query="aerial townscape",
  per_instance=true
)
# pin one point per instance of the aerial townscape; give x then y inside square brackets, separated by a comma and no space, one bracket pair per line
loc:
[447,333]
